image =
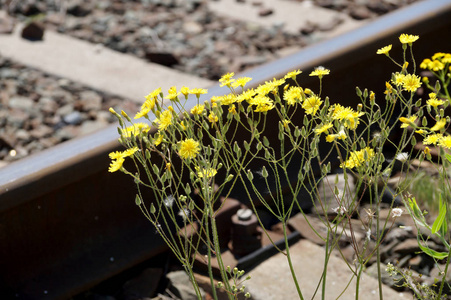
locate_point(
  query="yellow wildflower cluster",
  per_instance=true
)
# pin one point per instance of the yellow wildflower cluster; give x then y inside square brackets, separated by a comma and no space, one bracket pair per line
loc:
[206,173]
[408,82]
[358,158]
[438,62]
[118,158]
[135,129]
[437,139]
[433,101]
[149,104]
[348,116]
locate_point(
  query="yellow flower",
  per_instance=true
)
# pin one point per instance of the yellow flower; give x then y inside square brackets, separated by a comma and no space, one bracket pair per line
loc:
[432,139]
[226,79]
[172,94]
[292,74]
[164,120]
[232,109]
[425,63]
[158,139]
[292,95]
[388,88]
[446,59]
[184,90]
[438,55]
[212,117]
[445,142]
[347,115]
[198,109]
[115,155]
[286,123]
[189,148]
[320,72]
[149,104]
[116,164]
[439,125]
[323,128]
[262,102]
[228,99]
[406,122]
[183,125]
[357,158]
[427,151]
[384,50]
[408,38]
[312,104]
[241,82]
[145,109]
[118,158]
[246,96]
[198,92]
[434,102]
[411,82]
[129,152]
[215,99]
[154,94]
[270,87]
[436,65]
[398,78]
[135,129]
[330,138]
[207,173]
[264,107]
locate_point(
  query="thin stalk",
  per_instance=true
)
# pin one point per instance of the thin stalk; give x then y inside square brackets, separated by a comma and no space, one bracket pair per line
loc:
[378,254]
[287,250]
[357,283]
[210,271]
[445,273]
[218,256]
[326,260]
[189,270]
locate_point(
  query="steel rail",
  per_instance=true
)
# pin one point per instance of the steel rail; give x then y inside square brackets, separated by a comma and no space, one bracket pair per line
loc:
[67,224]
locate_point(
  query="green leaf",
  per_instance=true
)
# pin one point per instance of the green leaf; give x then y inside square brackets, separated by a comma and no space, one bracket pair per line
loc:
[448,157]
[440,218]
[415,209]
[433,253]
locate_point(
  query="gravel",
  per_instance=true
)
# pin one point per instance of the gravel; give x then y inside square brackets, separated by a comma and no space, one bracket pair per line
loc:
[185,35]
[38,111]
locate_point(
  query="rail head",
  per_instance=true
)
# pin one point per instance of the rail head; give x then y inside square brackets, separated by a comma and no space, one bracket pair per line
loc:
[49,169]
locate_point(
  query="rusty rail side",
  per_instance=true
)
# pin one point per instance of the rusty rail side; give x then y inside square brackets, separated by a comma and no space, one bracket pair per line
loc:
[66,224]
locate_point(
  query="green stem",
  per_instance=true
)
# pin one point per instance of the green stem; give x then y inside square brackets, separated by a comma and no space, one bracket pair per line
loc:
[210,271]
[219,258]
[326,260]
[444,275]
[357,284]
[189,270]
[287,250]
[378,254]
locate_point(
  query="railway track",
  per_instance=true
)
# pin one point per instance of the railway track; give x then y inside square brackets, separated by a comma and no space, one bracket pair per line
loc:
[66,224]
